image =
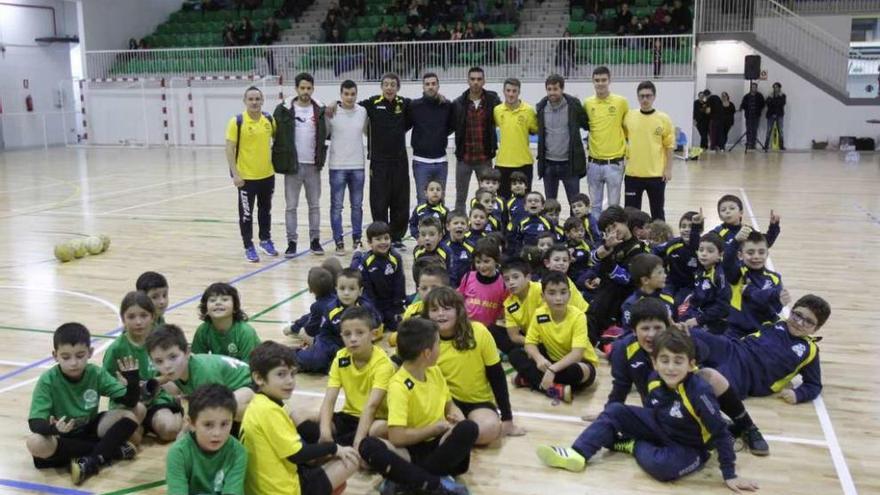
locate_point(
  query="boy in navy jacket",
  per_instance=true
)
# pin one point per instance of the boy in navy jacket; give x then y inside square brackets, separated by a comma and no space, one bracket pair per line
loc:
[680,256]
[525,233]
[649,277]
[382,271]
[709,302]
[672,437]
[455,245]
[730,210]
[432,207]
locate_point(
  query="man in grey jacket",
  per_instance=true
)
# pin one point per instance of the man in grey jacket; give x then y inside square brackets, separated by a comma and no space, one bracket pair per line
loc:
[561,155]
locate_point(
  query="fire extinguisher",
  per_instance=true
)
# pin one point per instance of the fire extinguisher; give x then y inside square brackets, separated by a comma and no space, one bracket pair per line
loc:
[29,103]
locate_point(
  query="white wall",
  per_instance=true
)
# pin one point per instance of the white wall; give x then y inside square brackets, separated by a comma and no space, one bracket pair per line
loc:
[810,113]
[119,116]
[839,26]
[45,66]
[110,23]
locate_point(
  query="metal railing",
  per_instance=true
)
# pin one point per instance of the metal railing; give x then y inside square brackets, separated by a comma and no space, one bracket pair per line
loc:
[633,58]
[815,50]
[832,6]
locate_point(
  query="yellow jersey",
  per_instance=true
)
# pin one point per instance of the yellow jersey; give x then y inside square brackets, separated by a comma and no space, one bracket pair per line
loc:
[270,437]
[255,150]
[413,403]
[515,125]
[465,371]
[414,309]
[358,383]
[559,338]
[651,136]
[518,312]
[607,139]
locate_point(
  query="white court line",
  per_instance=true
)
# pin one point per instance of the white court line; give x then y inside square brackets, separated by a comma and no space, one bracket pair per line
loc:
[4,362]
[106,195]
[837,457]
[18,385]
[165,200]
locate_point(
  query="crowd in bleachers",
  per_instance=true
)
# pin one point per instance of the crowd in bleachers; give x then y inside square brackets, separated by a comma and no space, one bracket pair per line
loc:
[637,18]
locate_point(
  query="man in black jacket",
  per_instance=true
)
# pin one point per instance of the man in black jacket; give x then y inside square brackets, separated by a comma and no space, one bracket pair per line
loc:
[752,105]
[701,118]
[775,115]
[561,155]
[475,138]
[432,121]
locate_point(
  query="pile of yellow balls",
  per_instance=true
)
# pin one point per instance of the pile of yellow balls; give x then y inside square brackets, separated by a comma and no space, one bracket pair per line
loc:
[77,248]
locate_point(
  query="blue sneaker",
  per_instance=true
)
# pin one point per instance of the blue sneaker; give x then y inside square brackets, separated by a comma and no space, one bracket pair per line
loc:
[268,248]
[448,485]
[251,254]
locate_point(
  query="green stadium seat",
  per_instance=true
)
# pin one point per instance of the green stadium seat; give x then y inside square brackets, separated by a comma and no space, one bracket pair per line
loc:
[504,30]
[577,14]
[574,27]
[588,28]
[642,3]
[399,20]
[643,11]
[609,13]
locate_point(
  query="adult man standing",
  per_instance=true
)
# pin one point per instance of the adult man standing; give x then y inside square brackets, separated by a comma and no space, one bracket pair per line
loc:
[561,154]
[775,115]
[248,143]
[607,143]
[432,121]
[752,105]
[303,126]
[651,142]
[475,138]
[515,119]
[701,118]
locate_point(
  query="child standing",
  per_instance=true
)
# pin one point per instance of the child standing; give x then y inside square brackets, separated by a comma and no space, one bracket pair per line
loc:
[709,302]
[225,330]
[278,459]
[672,438]
[429,437]
[525,233]
[382,273]
[552,211]
[362,370]
[495,217]
[470,363]
[208,459]
[557,357]
[430,234]
[164,416]
[516,205]
[432,207]
[477,224]
[483,288]
[580,209]
[461,252]
[155,285]
[66,428]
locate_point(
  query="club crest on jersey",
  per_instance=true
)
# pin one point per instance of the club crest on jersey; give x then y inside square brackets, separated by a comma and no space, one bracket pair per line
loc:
[389,269]
[345,361]
[409,384]
[675,410]
[706,285]
[232,348]
[90,398]
[799,349]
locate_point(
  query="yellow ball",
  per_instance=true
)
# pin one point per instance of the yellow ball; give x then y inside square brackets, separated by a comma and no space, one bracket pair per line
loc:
[105,240]
[79,248]
[63,252]
[94,245]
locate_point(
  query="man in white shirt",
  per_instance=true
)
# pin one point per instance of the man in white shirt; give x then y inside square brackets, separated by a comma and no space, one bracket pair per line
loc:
[346,161]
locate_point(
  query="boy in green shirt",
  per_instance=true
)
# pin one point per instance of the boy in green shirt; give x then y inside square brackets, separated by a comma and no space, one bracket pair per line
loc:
[170,354]
[162,413]
[155,285]
[64,420]
[207,460]
[224,330]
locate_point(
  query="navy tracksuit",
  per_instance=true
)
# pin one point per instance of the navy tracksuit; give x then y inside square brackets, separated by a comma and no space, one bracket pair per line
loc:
[764,362]
[384,283]
[754,294]
[591,231]
[637,296]
[525,233]
[580,261]
[460,260]
[440,252]
[427,210]
[672,435]
[516,210]
[311,321]
[728,233]
[472,236]
[317,357]
[709,302]
[680,260]
[615,286]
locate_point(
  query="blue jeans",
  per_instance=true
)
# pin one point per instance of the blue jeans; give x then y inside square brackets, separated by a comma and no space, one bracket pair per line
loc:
[354,180]
[598,176]
[424,172]
[554,172]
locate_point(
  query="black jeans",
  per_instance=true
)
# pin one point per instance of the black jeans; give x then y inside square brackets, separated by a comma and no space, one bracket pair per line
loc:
[554,172]
[504,184]
[703,129]
[389,194]
[656,189]
[255,193]
[752,124]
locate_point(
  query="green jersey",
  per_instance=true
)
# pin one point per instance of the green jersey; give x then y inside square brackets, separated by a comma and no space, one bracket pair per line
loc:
[211,368]
[159,322]
[123,347]
[58,396]
[192,471]
[238,341]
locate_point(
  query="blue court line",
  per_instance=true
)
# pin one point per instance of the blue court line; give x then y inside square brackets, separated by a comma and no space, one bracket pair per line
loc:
[189,300]
[40,488]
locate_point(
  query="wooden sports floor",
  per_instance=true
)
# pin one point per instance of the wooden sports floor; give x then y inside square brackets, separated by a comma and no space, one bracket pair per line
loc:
[174,211]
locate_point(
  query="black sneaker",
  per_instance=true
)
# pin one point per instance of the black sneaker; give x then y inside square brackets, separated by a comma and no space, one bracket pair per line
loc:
[398,245]
[291,250]
[82,468]
[340,248]
[316,248]
[755,441]
[127,452]
[356,244]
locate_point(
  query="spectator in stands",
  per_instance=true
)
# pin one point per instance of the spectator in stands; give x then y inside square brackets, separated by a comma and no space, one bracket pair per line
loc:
[475,138]
[412,13]
[330,23]
[561,156]
[701,118]
[335,37]
[229,35]
[752,106]
[244,35]
[483,32]
[457,32]
[383,34]
[624,19]
[142,45]
[565,53]
[775,115]
[132,44]
[681,20]
[469,33]
[657,56]
[271,32]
